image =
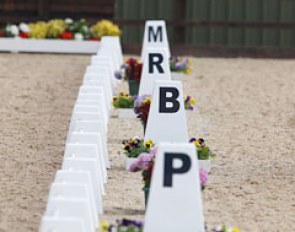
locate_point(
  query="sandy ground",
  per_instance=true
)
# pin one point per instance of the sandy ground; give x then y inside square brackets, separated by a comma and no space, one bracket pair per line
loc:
[245,111]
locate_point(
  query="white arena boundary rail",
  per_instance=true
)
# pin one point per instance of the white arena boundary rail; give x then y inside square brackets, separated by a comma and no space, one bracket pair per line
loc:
[76,194]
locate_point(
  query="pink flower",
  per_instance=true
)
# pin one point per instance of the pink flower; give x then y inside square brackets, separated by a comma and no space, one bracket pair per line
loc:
[203,176]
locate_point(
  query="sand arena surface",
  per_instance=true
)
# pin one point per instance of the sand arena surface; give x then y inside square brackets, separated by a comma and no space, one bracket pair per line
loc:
[245,111]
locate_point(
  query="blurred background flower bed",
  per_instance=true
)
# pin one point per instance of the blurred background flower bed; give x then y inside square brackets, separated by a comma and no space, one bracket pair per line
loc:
[62,29]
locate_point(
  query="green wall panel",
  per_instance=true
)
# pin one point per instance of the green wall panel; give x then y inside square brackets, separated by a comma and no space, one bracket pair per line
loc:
[268,11]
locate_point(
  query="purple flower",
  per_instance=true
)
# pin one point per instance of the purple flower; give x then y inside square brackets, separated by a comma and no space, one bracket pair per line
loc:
[179,65]
[192,140]
[118,75]
[124,66]
[188,98]
[190,108]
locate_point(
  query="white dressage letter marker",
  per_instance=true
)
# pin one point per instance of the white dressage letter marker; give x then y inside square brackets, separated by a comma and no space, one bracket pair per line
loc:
[167,118]
[156,67]
[155,35]
[174,202]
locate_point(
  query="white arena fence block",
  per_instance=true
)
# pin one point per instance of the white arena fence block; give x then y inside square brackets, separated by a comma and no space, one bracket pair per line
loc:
[94,127]
[64,224]
[113,41]
[63,207]
[101,72]
[96,90]
[104,51]
[85,116]
[86,164]
[73,150]
[92,138]
[98,110]
[102,83]
[99,98]
[155,36]
[80,177]
[175,203]
[105,61]
[74,191]
[102,77]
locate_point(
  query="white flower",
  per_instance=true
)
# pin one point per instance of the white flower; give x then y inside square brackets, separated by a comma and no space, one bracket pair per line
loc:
[78,36]
[14,30]
[24,27]
[68,21]
[8,28]
[85,29]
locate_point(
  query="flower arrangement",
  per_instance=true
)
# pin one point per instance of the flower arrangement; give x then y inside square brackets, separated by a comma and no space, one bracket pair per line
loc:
[124,225]
[134,147]
[55,28]
[180,65]
[123,100]
[127,225]
[142,108]
[189,102]
[130,70]
[63,29]
[203,151]
[105,27]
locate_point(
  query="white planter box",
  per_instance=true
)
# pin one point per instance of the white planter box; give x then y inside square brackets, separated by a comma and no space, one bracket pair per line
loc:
[48,46]
[126,113]
[177,76]
[205,164]
[128,162]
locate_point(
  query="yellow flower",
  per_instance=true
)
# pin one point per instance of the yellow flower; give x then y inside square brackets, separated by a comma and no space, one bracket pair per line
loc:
[196,142]
[55,27]
[105,28]
[104,227]
[148,143]
[38,30]
[235,229]
[188,71]
[147,100]
[122,93]
[115,98]
[193,101]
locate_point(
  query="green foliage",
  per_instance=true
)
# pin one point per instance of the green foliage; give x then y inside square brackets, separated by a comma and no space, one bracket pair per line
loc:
[123,102]
[204,153]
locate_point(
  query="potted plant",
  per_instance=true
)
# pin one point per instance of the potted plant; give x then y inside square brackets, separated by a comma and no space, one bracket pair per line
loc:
[133,148]
[131,72]
[179,67]
[145,164]
[204,153]
[125,104]
[141,108]
[123,225]
[128,225]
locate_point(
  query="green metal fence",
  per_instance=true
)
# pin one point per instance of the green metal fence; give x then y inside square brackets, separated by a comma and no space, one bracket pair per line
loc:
[238,23]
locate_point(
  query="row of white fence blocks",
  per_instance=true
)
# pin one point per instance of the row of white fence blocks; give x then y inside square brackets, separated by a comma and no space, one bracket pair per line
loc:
[76,194]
